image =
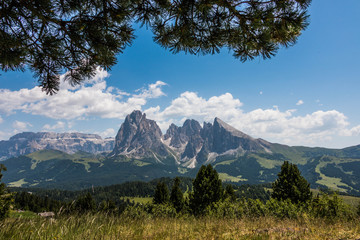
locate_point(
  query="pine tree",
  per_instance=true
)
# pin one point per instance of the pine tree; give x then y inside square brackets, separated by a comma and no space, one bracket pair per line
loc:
[230,193]
[291,185]
[5,197]
[54,36]
[161,195]
[85,203]
[176,196]
[207,189]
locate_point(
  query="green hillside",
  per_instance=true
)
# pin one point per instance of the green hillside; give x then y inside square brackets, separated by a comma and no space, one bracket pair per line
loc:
[338,169]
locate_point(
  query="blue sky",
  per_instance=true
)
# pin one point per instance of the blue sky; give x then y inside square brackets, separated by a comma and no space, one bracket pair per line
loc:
[307,94]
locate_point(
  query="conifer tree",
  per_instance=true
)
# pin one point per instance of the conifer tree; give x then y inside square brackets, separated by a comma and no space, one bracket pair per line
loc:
[230,193]
[207,189]
[85,203]
[161,195]
[176,196]
[291,185]
[5,197]
[54,36]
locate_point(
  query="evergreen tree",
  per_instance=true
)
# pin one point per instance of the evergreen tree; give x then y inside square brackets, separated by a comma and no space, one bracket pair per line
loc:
[161,195]
[207,189]
[230,193]
[291,185]
[53,36]
[5,197]
[176,196]
[85,203]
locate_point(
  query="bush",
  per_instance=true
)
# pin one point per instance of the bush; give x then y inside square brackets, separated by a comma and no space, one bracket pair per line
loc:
[136,212]
[331,207]
[225,209]
[161,210]
[282,209]
[254,208]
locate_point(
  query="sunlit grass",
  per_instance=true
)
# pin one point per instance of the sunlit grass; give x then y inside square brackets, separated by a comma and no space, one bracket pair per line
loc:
[102,226]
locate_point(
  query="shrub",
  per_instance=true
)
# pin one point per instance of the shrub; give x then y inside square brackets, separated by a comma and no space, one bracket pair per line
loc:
[331,207]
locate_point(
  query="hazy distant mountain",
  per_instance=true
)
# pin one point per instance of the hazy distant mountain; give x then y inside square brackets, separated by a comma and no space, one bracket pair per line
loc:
[142,152]
[28,142]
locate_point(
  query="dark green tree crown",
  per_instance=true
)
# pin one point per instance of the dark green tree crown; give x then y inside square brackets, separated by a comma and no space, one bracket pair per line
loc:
[75,36]
[161,194]
[291,185]
[207,189]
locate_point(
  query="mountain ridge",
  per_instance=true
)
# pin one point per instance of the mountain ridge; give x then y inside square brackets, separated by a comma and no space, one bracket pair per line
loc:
[28,142]
[142,152]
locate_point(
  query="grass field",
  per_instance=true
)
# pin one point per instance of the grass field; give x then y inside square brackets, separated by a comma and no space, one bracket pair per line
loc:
[101,226]
[142,200]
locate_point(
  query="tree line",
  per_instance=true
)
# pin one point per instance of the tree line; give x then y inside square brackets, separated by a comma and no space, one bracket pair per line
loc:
[290,197]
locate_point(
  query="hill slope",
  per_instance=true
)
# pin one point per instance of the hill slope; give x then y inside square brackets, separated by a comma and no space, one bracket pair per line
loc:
[141,152]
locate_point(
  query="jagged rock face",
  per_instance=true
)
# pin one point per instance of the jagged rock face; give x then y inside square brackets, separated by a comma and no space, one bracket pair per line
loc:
[139,137]
[220,137]
[181,135]
[211,139]
[226,137]
[28,142]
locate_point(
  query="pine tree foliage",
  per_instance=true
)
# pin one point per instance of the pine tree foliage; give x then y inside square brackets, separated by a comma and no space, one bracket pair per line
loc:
[5,197]
[85,203]
[291,185]
[161,194]
[76,36]
[230,192]
[207,189]
[176,196]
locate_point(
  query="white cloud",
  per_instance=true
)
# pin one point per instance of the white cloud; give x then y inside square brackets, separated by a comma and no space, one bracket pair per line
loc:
[110,132]
[58,125]
[153,91]
[96,99]
[355,131]
[91,99]
[300,102]
[21,126]
[271,124]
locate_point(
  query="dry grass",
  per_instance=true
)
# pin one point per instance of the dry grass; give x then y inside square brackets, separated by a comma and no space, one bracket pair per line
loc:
[100,226]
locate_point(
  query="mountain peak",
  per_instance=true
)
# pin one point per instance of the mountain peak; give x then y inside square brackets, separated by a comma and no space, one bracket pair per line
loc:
[139,137]
[220,123]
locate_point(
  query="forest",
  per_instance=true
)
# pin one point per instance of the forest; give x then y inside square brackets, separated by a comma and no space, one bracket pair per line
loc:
[137,206]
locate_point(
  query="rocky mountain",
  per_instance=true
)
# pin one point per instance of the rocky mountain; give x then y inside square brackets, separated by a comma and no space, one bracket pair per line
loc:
[139,137]
[189,145]
[142,152]
[28,142]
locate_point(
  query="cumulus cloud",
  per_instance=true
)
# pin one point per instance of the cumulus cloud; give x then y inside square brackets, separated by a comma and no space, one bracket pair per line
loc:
[300,102]
[272,124]
[110,132]
[153,91]
[94,98]
[21,126]
[58,125]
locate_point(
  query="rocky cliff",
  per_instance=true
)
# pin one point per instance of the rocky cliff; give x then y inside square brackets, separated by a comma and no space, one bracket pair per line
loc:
[189,144]
[139,137]
[28,142]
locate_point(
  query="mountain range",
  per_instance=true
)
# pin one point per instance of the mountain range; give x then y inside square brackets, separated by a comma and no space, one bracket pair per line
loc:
[141,152]
[28,142]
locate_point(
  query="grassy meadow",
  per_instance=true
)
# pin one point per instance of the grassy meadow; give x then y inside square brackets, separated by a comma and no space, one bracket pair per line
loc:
[103,226]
